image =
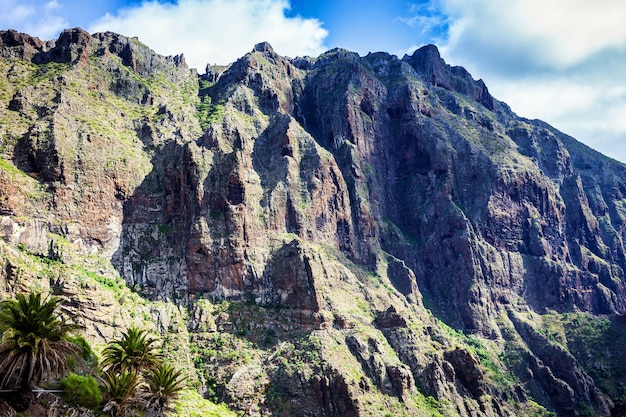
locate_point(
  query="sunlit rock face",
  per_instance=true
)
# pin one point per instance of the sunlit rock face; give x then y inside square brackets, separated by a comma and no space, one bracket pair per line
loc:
[410,158]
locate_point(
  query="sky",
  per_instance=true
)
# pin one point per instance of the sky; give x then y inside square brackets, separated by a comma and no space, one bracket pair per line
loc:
[561,61]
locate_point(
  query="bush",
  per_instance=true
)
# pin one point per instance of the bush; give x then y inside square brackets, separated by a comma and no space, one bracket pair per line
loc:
[87,353]
[81,390]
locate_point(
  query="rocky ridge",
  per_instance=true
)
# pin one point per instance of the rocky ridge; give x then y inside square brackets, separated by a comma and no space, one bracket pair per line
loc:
[339,235]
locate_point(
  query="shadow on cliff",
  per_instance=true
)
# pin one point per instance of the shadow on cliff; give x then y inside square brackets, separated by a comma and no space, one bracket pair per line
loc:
[155,227]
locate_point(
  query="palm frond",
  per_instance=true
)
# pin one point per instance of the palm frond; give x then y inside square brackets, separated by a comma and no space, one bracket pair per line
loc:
[33,345]
[134,350]
[163,385]
[121,390]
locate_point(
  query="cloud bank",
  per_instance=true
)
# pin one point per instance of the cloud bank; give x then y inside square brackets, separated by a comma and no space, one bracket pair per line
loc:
[41,19]
[558,34]
[216,31]
[561,61]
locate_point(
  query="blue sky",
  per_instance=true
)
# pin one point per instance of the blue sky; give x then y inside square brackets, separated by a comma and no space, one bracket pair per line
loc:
[561,61]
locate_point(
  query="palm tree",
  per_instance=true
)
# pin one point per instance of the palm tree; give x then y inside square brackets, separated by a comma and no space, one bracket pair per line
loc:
[163,385]
[33,344]
[121,388]
[134,351]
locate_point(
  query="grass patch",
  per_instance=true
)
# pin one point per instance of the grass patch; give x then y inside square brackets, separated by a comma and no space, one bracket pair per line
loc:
[10,168]
[428,404]
[209,111]
[191,404]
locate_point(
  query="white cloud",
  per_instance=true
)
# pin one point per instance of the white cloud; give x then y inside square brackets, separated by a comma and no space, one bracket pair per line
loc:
[52,5]
[590,112]
[16,12]
[216,31]
[37,18]
[560,61]
[555,33]
[424,17]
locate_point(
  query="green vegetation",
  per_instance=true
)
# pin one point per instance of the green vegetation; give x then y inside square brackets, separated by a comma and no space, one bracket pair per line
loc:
[299,354]
[88,355]
[33,345]
[10,168]
[113,284]
[164,383]
[114,120]
[47,72]
[134,351]
[552,329]
[428,404]
[121,390]
[496,362]
[596,342]
[82,390]
[208,109]
[191,404]
[135,378]
[125,362]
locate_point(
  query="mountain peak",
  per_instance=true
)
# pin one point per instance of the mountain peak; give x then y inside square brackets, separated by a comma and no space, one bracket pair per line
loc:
[428,62]
[429,53]
[263,47]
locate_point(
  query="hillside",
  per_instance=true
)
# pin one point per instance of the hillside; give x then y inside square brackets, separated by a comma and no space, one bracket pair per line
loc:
[330,236]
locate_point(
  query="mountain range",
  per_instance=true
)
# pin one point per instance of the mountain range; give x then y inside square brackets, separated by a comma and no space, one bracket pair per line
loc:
[339,235]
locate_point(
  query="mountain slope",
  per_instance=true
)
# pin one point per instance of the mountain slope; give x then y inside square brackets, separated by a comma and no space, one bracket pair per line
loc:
[339,235]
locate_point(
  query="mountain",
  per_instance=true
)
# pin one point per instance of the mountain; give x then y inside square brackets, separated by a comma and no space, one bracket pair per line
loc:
[330,236]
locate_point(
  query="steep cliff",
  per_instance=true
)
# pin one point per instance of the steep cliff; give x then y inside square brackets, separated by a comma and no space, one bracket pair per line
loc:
[339,235]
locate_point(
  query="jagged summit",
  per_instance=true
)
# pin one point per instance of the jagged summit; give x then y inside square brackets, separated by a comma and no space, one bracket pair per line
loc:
[426,59]
[74,45]
[428,62]
[263,47]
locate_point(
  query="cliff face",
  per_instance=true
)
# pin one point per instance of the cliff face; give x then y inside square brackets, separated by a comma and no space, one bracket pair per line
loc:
[362,232]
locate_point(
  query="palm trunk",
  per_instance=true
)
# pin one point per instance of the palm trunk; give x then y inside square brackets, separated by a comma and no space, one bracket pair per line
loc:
[21,400]
[24,397]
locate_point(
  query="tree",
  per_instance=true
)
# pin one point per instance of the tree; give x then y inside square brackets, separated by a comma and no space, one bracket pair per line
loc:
[124,360]
[33,344]
[121,387]
[164,382]
[134,351]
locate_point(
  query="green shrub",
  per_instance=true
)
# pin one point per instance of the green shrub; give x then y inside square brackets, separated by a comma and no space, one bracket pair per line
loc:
[81,390]
[87,353]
